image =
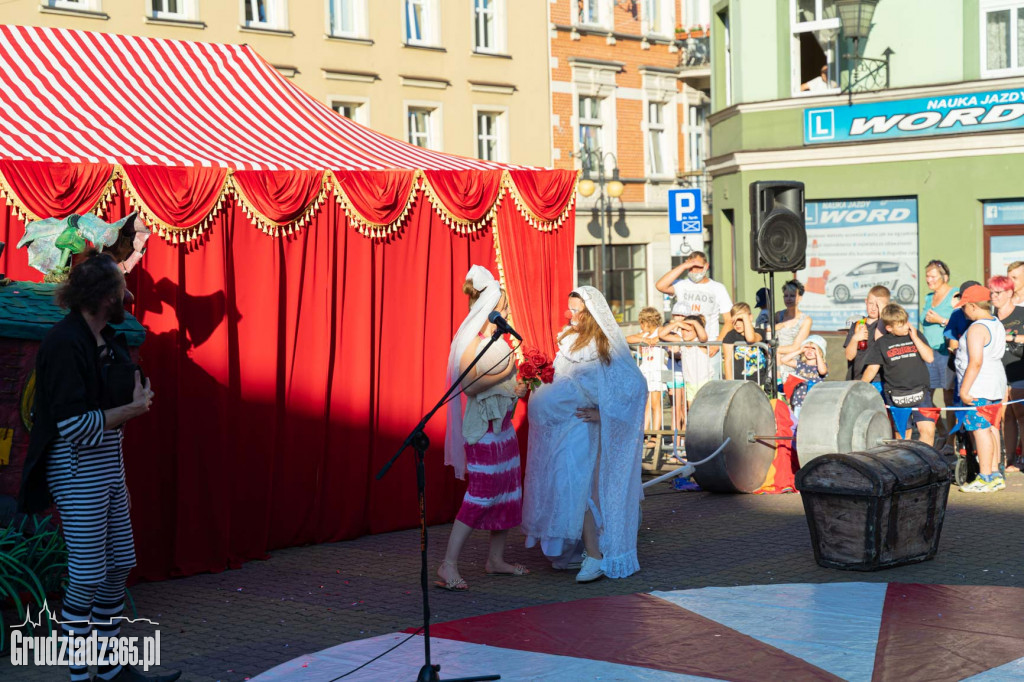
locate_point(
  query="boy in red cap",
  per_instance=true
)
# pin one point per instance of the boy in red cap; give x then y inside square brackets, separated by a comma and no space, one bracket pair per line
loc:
[982,381]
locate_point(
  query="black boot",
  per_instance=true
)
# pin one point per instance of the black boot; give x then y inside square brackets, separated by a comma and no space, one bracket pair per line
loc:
[130,674]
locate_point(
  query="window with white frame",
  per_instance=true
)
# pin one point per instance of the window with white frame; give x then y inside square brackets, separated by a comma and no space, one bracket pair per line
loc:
[490,135]
[591,126]
[593,12]
[659,17]
[264,14]
[815,46]
[696,136]
[422,126]
[1002,38]
[356,110]
[422,21]
[489,25]
[181,10]
[657,146]
[81,5]
[347,18]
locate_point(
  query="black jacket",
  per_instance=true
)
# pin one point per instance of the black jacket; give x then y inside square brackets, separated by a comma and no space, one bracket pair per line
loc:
[69,382]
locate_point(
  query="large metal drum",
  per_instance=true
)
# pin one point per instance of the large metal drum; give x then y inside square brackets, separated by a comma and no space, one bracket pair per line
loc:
[736,410]
[841,417]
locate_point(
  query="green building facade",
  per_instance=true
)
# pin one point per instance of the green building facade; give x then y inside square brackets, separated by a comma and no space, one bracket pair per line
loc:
[926,163]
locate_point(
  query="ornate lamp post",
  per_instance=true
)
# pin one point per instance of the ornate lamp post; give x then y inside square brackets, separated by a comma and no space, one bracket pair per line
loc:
[608,188]
[855,16]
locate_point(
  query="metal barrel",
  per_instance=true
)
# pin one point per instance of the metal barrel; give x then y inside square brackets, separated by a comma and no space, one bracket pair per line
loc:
[735,410]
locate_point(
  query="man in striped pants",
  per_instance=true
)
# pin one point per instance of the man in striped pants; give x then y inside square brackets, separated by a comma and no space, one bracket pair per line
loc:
[75,453]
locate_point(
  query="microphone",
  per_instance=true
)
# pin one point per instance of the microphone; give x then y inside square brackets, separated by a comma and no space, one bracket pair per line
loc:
[502,324]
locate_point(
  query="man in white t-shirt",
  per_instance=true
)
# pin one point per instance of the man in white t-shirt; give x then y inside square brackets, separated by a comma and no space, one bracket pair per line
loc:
[698,294]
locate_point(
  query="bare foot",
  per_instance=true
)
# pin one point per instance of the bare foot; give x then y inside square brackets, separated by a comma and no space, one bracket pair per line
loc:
[505,568]
[450,578]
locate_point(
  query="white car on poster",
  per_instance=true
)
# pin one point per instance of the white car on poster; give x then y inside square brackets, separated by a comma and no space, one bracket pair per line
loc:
[897,276]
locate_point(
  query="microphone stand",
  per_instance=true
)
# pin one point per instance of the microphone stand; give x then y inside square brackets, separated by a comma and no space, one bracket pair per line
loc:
[420,443]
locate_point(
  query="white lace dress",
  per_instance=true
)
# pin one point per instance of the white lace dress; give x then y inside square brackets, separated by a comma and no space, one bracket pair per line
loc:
[564,453]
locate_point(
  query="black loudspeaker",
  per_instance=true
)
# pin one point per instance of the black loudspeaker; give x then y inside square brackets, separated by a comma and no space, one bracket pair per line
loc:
[778,238]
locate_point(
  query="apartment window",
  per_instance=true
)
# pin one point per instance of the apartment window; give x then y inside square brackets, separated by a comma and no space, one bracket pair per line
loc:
[347,18]
[591,126]
[659,17]
[489,25]
[592,12]
[1002,40]
[490,135]
[727,44]
[182,10]
[354,109]
[815,46]
[422,126]
[421,22]
[264,14]
[656,139]
[696,135]
[82,5]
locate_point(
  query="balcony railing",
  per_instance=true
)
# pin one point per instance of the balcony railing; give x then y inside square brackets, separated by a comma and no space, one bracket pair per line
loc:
[694,52]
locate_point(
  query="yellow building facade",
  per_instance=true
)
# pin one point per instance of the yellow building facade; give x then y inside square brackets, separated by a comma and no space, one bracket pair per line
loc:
[466,77]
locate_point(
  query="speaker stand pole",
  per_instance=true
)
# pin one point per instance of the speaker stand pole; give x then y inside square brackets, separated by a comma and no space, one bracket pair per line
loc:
[773,341]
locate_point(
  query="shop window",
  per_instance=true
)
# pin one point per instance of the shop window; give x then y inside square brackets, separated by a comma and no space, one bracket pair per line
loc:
[1002,39]
[587,258]
[627,277]
[347,18]
[815,46]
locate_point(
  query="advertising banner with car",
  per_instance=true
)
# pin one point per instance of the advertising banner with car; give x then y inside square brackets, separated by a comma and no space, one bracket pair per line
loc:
[855,245]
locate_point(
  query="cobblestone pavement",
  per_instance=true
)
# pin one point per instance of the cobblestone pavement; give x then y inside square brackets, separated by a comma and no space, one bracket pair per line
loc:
[236,624]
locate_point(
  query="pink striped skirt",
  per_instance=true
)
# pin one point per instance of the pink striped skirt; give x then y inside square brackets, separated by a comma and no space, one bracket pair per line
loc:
[494,496]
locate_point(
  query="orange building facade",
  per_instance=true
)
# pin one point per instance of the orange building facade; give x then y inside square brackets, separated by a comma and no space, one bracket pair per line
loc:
[630,90]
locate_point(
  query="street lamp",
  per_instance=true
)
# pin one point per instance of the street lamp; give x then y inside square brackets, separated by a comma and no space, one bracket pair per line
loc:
[609,189]
[855,17]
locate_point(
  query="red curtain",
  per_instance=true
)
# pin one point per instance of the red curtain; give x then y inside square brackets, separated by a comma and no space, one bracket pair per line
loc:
[538,274]
[14,261]
[468,195]
[288,370]
[177,196]
[377,196]
[280,196]
[546,193]
[56,190]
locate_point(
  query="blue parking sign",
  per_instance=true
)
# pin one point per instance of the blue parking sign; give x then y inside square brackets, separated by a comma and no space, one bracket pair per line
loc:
[685,211]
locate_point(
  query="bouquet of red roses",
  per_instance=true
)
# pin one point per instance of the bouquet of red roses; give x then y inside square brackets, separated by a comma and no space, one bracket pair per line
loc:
[535,369]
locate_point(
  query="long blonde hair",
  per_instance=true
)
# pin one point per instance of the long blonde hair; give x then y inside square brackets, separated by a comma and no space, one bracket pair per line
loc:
[587,329]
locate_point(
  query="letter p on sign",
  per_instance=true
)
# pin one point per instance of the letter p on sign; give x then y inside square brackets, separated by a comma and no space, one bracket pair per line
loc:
[685,211]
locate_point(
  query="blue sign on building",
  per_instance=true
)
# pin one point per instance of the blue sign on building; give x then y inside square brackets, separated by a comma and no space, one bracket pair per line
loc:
[1004,213]
[685,211]
[960,113]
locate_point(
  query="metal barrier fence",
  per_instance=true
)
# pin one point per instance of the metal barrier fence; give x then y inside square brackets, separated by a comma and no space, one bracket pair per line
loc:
[675,372]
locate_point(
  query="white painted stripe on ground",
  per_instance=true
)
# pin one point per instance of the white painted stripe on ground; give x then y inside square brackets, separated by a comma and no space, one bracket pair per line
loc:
[457,659]
[833,626]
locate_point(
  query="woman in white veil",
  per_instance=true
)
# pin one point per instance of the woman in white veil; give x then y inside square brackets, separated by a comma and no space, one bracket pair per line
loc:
[586,435]
[480,438]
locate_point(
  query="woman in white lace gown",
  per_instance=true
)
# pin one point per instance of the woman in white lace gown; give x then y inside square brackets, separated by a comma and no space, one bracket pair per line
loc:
[586,435]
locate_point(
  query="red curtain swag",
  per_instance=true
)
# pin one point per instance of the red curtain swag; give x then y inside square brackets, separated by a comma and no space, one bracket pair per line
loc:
[55,190]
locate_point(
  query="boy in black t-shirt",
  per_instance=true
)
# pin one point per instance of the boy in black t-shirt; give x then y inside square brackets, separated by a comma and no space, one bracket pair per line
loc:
[903,357]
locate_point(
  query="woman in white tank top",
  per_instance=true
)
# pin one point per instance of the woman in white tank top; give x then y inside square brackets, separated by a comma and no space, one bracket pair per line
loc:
[982,381]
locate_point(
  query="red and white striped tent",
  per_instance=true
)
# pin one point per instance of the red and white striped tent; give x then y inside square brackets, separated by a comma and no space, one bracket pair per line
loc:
[288,360]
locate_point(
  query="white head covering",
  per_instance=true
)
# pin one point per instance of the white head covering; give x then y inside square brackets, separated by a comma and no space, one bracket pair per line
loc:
[598,308]
[490,293]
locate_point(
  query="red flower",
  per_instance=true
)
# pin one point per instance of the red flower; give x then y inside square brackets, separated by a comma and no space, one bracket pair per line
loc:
[528,371]
[547,374]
